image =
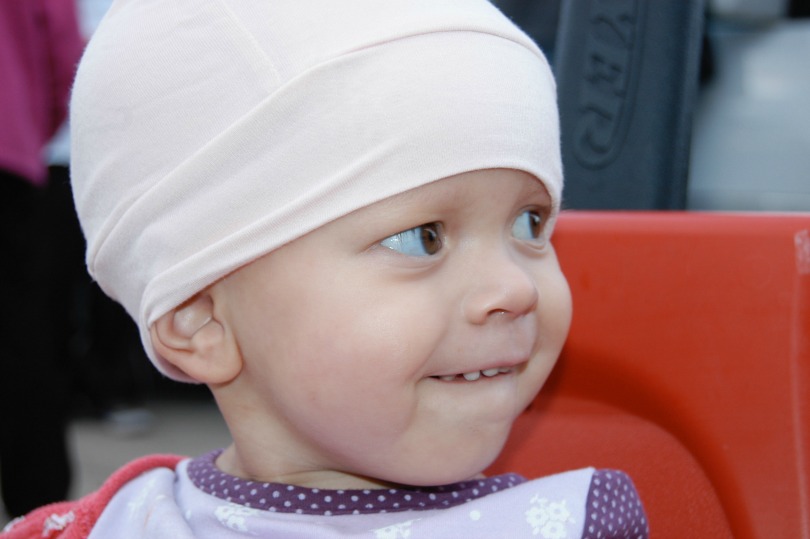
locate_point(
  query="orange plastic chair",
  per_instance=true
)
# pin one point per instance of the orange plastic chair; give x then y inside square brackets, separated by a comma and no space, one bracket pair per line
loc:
[688,366]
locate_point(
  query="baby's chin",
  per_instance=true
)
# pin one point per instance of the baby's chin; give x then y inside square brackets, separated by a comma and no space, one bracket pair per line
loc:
[459,467]
[436,474]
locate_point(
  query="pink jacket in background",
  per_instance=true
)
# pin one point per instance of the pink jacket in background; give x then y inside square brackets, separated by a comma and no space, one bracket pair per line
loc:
[40,47]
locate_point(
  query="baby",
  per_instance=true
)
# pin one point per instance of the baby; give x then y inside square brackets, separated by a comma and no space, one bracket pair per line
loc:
[337,216]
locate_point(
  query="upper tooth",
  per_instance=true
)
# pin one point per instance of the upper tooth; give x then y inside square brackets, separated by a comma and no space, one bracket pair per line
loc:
[448,378]
[504,369]
[472,376]
[490,372]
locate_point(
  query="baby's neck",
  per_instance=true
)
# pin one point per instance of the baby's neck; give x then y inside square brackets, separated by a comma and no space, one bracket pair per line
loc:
[231,463]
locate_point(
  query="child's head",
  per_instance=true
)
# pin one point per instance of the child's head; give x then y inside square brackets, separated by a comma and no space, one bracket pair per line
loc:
[330,212]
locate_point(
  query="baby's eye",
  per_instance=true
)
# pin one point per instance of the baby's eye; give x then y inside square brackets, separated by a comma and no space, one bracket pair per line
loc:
[528,226]
[424,240]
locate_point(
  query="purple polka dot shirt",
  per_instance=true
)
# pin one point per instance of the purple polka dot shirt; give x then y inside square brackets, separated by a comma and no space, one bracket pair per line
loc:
[198,501]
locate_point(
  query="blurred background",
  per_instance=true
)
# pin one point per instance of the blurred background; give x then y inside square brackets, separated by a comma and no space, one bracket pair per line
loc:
[735,71]
[665,105]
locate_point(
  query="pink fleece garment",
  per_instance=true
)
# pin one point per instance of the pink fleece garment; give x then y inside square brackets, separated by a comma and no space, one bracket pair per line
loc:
[40,47]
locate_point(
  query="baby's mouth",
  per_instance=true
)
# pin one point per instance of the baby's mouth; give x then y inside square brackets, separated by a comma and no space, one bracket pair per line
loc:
[474,375]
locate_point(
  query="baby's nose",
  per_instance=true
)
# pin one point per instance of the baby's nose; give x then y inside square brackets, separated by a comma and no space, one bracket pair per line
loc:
[500,286]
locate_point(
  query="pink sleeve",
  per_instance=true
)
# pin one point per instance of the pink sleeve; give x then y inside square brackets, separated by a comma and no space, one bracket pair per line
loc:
[65,46]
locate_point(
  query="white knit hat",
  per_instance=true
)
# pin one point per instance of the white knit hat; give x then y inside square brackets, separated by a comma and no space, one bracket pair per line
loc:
[207,133]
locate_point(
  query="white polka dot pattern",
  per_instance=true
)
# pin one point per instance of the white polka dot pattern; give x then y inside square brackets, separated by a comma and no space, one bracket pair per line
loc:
[613,508]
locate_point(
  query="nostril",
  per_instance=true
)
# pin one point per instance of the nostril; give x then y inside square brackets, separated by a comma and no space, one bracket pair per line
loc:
[501,290]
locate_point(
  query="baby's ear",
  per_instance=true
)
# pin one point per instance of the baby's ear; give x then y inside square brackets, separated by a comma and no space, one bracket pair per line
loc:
[193,338]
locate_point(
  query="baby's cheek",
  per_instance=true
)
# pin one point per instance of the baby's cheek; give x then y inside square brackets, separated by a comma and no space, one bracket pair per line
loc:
[555,305]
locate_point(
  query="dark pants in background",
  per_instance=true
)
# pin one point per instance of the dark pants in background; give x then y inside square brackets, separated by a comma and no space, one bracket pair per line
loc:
[34,382]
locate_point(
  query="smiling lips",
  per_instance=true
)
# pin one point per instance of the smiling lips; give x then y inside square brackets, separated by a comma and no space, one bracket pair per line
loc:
[474,375]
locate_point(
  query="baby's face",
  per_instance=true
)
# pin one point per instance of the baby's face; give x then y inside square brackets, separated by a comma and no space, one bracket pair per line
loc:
[400,342]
